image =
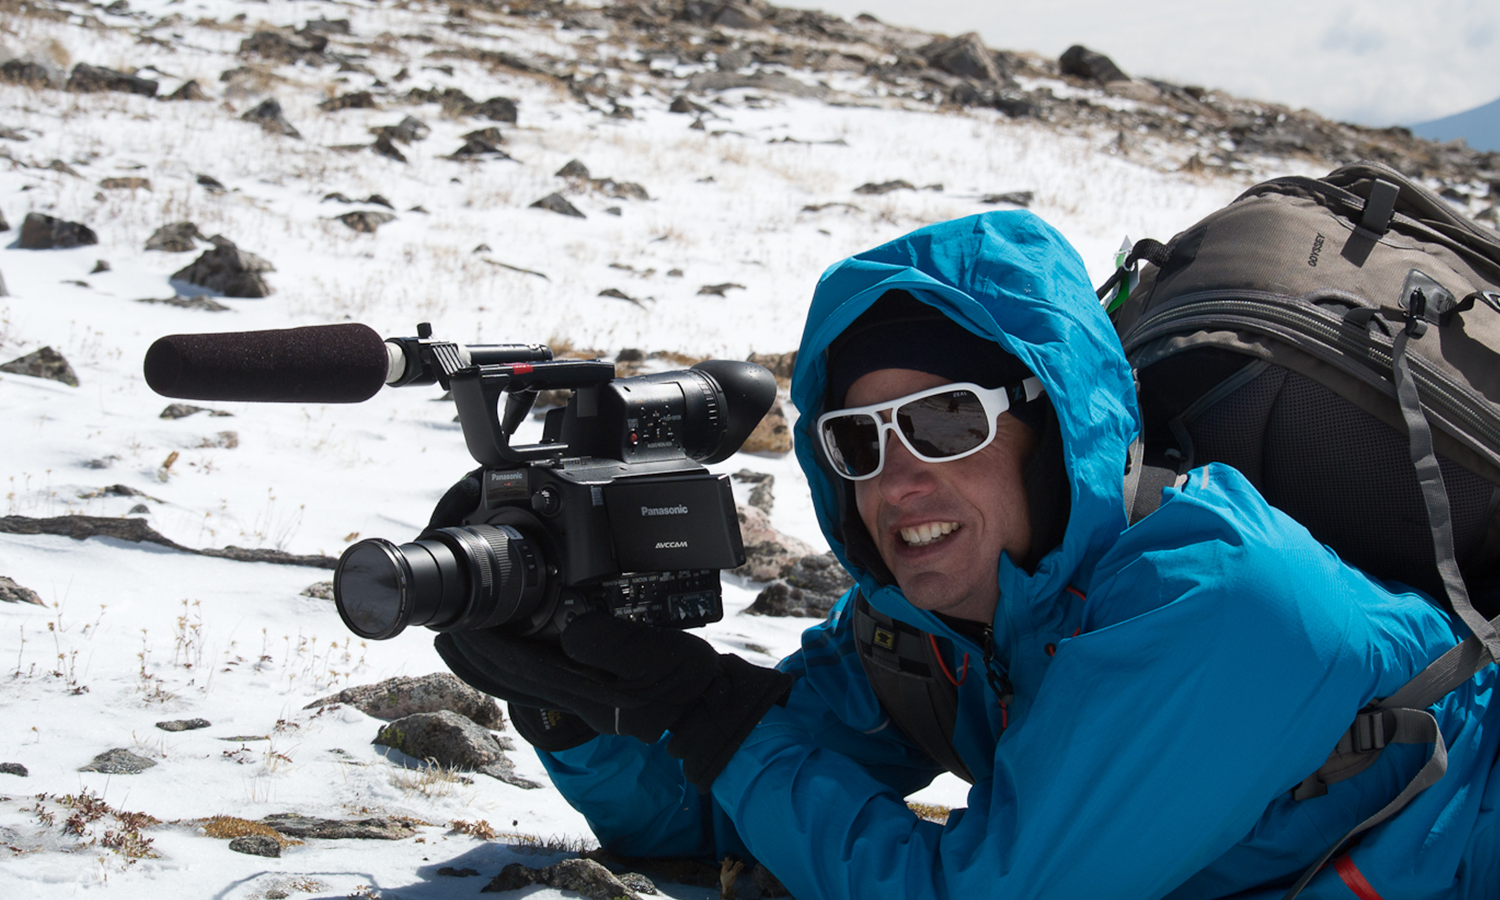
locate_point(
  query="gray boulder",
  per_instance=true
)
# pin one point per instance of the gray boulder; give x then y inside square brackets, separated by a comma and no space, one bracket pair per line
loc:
[767,551]
[808,588]
[175,237]
[585,876]
[305,46]
[964,56]
[496,109]
[190,90]
[408,131]
[14,769]
[229,270]
[183,724]
[396,698]
[760,494]
[1081,62]
[269,117]
[559,204]
[256,845]
[44,363]
[351,100]
[302,827]
[118,761]
[449,739]
[10,592]
[26,72]
[43,232]
[365,221]
[87,79]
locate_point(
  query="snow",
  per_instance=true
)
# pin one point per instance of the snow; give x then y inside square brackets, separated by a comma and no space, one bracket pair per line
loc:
[133,634]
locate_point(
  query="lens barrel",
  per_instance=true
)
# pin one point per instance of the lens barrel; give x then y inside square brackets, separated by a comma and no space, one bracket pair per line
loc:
[449,579]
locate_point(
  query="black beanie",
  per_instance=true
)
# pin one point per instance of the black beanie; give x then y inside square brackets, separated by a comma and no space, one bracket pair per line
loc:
[901,332]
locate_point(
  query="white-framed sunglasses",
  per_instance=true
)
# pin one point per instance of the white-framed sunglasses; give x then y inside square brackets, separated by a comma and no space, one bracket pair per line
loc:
[940,424]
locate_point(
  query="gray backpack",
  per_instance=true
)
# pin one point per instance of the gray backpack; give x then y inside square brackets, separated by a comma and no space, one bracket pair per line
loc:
[1338,341]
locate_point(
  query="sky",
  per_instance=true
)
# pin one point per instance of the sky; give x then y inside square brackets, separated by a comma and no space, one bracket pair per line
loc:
[1374,62]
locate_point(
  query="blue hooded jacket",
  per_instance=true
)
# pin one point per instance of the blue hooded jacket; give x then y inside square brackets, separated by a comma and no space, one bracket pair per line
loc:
[1173,680]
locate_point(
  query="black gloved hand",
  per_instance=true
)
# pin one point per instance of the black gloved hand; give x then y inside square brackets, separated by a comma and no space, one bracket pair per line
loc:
[549,729]
[628,678]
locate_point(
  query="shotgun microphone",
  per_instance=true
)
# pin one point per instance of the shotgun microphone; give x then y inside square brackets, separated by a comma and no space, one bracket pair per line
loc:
[345,363]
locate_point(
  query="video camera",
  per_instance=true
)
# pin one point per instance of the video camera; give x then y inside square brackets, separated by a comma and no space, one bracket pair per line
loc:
[611,510]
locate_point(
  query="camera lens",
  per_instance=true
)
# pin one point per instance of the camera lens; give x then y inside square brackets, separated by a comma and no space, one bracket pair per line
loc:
[449,579]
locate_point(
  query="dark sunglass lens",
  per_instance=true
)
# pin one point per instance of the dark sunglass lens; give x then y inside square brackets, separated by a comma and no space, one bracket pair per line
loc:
[944,424]
[853,444]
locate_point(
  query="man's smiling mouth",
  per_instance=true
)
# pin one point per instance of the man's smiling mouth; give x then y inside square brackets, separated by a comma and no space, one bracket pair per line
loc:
[930,533]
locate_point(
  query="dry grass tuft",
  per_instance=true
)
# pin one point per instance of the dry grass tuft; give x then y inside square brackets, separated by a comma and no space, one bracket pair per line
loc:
[930,812]
[480,829]
[228,827]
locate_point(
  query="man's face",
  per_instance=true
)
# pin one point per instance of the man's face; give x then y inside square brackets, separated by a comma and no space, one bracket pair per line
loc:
[940,527]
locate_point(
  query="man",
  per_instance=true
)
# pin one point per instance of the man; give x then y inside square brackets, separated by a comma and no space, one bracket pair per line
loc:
[1133,704]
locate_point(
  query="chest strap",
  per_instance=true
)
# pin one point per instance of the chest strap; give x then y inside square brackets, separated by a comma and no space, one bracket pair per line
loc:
[904,670]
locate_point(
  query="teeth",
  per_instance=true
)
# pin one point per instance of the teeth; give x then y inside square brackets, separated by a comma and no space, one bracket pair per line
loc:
[931,533]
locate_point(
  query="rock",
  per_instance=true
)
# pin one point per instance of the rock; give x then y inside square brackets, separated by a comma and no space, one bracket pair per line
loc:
[43,232]
[384,147]
[352,100]
[760,495]
[305,46]
[13,769]
[87,79]
[771,435]
[175,237]
[768,552]
[256,845]
[403,696]
[575,169]
[559,204]
[26,72]
[128,183]
[885,187]
[183,724]
[118,761]
[320,590]
[269,117]
[10,592]
[44,363]
[774,82]
[1081,62]
[379,829]
[445,737]
[450,872]
[719,290]
[484,142]
[496,109]
[4,225]
[584,876]
[681,104]
[622,190]
[1014,198]
[188,91]
[100,265]
[453,101]
[408,131]
[3,291]
[964,56]
[229,270]
[365,221]
[780,364]
[809,588]
[213,184]
[733,60]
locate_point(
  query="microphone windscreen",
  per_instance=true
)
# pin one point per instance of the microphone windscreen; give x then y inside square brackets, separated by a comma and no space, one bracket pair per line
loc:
[315,364]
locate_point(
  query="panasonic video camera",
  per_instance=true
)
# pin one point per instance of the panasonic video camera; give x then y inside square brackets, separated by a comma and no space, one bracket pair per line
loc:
[611,510]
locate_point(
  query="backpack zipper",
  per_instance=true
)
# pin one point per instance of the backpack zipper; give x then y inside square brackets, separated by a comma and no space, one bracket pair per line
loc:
[1297,320]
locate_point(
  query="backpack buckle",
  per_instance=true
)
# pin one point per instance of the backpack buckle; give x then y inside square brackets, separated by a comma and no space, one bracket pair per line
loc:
[1367,734]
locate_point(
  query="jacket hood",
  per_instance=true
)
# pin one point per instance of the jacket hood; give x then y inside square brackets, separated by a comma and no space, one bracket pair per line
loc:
[1011,278]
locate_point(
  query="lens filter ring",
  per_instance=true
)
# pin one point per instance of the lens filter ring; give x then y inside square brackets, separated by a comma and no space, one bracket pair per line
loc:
[372,589]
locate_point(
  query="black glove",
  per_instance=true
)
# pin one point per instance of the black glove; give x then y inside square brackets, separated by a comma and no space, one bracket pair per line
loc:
[628,678]
[549,729]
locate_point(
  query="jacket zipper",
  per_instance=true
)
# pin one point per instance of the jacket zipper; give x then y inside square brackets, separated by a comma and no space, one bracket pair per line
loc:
[1004,691]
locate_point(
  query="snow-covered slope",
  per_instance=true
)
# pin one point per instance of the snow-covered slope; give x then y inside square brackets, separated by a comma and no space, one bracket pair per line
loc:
[759,195]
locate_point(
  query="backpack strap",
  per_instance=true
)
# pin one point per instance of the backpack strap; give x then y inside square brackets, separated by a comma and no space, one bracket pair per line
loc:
[1402,718]
[902,666]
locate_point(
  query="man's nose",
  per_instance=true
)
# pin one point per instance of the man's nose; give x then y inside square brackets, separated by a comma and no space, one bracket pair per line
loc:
[903,477]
